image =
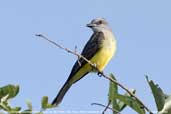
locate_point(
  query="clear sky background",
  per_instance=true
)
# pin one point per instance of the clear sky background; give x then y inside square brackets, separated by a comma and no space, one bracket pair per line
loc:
[142,29]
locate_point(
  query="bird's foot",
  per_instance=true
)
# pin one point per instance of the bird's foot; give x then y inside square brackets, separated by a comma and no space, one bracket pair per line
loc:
[100,74]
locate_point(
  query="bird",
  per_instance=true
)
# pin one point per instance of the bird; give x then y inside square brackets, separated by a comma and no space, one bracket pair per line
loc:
[99,50]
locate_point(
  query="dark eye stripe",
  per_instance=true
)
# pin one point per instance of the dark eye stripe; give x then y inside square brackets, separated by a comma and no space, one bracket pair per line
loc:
[100,22]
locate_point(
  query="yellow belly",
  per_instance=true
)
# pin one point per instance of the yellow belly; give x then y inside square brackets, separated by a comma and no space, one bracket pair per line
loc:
[101,58]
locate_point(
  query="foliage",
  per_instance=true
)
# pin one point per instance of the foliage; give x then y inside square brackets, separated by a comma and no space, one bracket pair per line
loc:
[117,101]
[9,92]
[162,100]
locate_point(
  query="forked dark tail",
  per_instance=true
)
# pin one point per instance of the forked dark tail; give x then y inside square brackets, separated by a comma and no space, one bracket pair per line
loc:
[61,94]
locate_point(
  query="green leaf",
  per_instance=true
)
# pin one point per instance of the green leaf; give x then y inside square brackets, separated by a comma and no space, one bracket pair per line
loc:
[29,105]
[10,90]
[134,104]
[14,110]
[117,104]
[121,104]
[26,112]
[167,106]
[158,94]
[113,90]
[5,106]
[45,103]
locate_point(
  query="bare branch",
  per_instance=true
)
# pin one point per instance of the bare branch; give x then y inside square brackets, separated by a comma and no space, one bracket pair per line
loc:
[99,72]
[78,56]
[106,107]
[68,50]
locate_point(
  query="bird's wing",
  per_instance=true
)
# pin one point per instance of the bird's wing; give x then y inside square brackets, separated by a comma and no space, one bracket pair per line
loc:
[90,49]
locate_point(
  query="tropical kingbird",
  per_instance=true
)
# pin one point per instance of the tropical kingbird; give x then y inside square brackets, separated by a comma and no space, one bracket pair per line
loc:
[99,50]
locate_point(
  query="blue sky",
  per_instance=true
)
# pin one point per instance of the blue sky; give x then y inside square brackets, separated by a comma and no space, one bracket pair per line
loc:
[142,29]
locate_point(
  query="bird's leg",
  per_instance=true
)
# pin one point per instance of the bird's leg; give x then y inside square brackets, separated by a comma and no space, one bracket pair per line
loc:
[99,73]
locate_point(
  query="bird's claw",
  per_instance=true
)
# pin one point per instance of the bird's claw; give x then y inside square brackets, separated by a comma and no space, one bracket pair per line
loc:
[100,74]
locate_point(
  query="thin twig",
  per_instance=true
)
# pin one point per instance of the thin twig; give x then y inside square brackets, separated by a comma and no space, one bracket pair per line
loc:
[68,50]
[106,107]
[99,72]
[78,60]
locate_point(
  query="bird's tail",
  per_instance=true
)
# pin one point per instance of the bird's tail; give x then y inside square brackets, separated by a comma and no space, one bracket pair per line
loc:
[61,94]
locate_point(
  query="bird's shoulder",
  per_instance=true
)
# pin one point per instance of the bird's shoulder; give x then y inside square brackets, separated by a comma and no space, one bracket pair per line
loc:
[93,44]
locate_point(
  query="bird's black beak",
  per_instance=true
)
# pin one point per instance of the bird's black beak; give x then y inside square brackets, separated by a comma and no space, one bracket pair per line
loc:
[90,25]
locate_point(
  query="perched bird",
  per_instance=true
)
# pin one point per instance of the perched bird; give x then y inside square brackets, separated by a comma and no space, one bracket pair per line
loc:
[99,50]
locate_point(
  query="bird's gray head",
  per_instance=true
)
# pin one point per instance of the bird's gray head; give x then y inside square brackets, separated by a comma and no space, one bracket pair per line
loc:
[98,24]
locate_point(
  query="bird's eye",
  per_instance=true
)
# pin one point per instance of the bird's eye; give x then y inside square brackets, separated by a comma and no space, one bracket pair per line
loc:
[100,22]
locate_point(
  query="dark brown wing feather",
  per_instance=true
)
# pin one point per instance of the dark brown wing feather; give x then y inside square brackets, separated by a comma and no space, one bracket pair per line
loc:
[90,49]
